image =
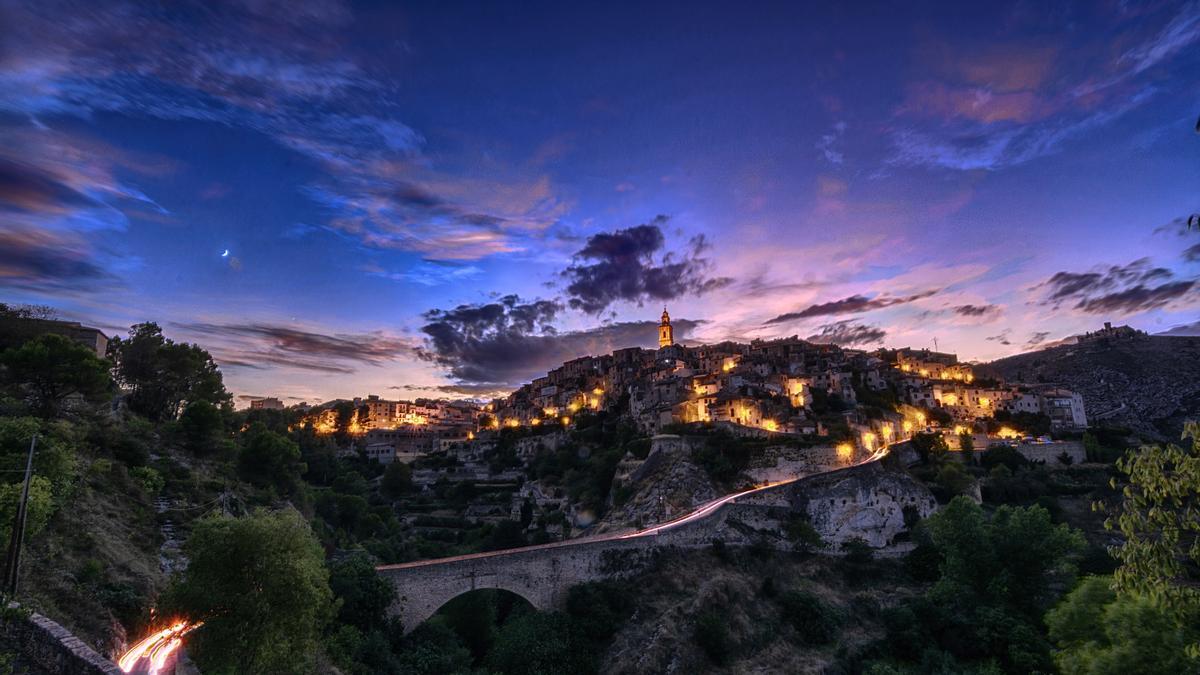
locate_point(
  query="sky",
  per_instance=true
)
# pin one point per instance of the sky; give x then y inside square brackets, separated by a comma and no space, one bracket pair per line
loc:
[448,199]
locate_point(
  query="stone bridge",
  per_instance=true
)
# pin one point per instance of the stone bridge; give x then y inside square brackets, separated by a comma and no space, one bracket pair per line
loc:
[864,501]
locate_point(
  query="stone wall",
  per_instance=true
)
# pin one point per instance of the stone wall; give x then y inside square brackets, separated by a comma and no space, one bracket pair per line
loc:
[43,646]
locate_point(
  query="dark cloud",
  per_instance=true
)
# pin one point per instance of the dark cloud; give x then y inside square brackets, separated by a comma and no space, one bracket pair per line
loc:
[44,261]
[29,188]
[1037,338]
[1126,289]
[977,310]
[1002,338]
[262,345]
[1136,299]
[473,391]
[505,343]
[854,304]
[1192,253]
[621,265]
[848,333]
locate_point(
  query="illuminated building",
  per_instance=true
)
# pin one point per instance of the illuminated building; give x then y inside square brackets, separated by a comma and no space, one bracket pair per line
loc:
[666,334]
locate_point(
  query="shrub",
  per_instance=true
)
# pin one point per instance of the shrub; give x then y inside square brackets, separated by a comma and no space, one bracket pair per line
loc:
[815,623]
[148,479]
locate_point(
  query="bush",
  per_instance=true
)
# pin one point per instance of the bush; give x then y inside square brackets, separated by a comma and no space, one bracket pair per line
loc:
[148,479]
[815,623]
[712,635]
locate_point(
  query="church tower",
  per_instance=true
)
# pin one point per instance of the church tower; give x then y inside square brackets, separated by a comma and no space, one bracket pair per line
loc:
[666,334]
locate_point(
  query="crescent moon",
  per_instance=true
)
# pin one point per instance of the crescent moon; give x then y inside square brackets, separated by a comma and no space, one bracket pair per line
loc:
[225,254]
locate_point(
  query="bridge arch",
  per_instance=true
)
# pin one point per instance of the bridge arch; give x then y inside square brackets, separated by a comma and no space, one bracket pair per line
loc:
[420,601]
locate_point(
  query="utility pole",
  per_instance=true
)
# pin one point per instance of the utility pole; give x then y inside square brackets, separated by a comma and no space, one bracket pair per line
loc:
[12,563]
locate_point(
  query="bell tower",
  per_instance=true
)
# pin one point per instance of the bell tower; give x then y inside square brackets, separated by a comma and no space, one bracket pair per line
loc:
[666,334]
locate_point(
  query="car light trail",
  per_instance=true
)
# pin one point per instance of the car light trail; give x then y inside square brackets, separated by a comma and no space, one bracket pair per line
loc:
[150,653]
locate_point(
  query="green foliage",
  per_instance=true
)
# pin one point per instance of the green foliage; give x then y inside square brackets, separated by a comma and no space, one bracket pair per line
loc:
[712,635]
[802,534]
[260,585]
[953,479]
[363,597]
[929,447]
[270,460]
[41,507]
[539,644]
[434,649]
[49,368]
[1008,560]
[815,622]
[200,426]
[53,460]
[151,481]
[723,456]
[1099,632]
[397,480]
[162,375]
[1159,520]
[1003,454]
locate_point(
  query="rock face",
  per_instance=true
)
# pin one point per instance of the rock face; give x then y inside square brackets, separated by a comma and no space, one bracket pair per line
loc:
[658,488]
[867,505]
[1150,384]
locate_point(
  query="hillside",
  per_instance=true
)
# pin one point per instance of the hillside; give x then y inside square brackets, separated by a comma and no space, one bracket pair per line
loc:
[1149,384]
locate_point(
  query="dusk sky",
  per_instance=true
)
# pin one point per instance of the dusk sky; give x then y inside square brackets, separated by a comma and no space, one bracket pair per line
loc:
[445,199]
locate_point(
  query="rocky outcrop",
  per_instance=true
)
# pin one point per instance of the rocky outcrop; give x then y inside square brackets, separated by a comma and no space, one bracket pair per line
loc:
[658,488]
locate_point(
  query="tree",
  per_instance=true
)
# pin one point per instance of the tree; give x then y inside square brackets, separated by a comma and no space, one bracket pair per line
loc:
[929,446]
[261,588]
[200,424]
[534,643]
[966,443]
[1010,560]
[49,368]
[1159,519]
[162,376]
[954,479]
[397,480]
[271,460]
[364,597]
[1099,632]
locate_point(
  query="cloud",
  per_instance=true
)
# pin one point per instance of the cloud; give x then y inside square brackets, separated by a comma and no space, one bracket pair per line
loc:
[259,345]
[854,304]
[1123,289]
[848,333]
[622,265]
[977,310]
[39,260]
[428,272]
[1009,104]
[1036,339]
[1192,253]
[473,391]
[505,343]
[1136,299]
[1002,338]
[286,71]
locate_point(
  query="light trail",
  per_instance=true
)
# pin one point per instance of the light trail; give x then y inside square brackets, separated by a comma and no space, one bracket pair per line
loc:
[151,653]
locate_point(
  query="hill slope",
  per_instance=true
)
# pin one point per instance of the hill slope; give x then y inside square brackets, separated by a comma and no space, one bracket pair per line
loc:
[1150,384]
